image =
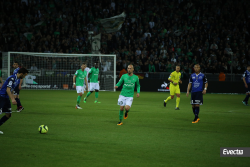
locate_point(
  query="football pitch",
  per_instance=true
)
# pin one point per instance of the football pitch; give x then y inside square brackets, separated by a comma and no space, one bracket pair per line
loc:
[151,136]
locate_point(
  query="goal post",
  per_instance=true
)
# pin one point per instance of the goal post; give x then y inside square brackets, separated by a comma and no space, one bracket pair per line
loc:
[56,70]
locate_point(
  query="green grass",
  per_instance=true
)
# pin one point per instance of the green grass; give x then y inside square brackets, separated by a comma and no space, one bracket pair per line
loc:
[151,136]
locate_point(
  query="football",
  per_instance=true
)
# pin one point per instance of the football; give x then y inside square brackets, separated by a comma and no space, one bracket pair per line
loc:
[43,129]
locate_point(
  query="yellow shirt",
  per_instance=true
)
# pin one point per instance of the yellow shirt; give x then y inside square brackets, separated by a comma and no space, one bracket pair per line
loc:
[175,77]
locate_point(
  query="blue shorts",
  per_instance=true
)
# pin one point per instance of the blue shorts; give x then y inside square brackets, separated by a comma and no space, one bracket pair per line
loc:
[5,105]
[196,98]
[248,89]
[16,90]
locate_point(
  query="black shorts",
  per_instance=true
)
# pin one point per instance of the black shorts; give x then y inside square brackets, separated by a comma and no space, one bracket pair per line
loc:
[5,105]
[16,90]
[196,98]
[248,89]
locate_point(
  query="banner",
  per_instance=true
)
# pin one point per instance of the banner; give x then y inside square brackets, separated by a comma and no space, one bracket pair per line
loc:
[113,24]
[96,44]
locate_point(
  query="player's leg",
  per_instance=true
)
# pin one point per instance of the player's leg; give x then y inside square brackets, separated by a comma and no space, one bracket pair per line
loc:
[245,101]
[178,98]
[96,86]
[16,96]
[198,100]
[129,101]
[121,103]
[88,94]
[91,89]
[193,97]
[5,107]
[127,109]
[80,92]
[172,92]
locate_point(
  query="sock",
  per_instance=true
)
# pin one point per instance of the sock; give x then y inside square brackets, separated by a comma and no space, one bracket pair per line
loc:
[193,110]
[3,120]
[246,98]
[169,98]
[127,110]
[18,102]
[78,100]
[120,115]
[96,96]
[197,110]
[178,101]
[88,94]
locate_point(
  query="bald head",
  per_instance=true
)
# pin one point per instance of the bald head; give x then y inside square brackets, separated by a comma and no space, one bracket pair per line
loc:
[130,69]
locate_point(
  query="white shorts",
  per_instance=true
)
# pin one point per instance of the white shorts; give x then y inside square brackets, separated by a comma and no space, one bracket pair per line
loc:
[124,101]
[85,87]
[94,86]
[80,89]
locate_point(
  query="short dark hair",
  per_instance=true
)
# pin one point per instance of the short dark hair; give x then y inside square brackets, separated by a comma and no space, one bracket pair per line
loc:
[16,62]
[23,71]
[83,63]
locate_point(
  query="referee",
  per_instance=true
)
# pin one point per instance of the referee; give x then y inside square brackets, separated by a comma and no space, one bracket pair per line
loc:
[197,81]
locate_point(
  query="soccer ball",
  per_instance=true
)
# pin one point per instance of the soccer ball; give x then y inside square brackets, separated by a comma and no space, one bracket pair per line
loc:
[43,129]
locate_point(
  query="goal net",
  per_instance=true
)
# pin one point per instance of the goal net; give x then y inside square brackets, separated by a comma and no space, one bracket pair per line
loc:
[56,70]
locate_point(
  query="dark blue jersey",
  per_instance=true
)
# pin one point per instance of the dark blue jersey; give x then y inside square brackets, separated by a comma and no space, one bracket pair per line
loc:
[198,81]
[15,72]
[246,75]
[11,82]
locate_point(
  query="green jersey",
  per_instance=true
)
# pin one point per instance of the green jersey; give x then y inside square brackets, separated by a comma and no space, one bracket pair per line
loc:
[129,85]
[80,75]
[94,72]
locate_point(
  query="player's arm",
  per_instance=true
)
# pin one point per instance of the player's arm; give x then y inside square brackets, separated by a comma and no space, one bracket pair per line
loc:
[206,85]
[20,84]
[189,85]
[11,96]
[119,83]
[86,82]
[89,73]
[244,80]
[74,81]
[8,90]
[138,87]
[170,78]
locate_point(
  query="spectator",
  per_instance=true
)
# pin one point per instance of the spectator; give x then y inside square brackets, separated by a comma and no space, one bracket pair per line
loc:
[222,76]
[214,46]
[123,71]
[151,67]
[138,51]
[33,67]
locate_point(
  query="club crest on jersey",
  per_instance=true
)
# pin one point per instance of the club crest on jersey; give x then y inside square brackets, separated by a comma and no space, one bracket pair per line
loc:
[200,77]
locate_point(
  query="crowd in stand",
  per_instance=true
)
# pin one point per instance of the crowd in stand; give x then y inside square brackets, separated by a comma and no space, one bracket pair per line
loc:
[155,36]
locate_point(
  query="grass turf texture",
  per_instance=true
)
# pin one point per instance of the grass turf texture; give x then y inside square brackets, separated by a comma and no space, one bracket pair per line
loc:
[151,136]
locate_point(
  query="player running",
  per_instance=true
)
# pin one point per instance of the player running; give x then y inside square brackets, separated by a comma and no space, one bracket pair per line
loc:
[197,81]
[246,80]
[78,82]
[17,88]
[94,85]
[174,79]
[5,94]
[127,93]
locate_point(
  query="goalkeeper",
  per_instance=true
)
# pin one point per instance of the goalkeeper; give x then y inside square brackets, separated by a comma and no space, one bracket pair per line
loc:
[174,79]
